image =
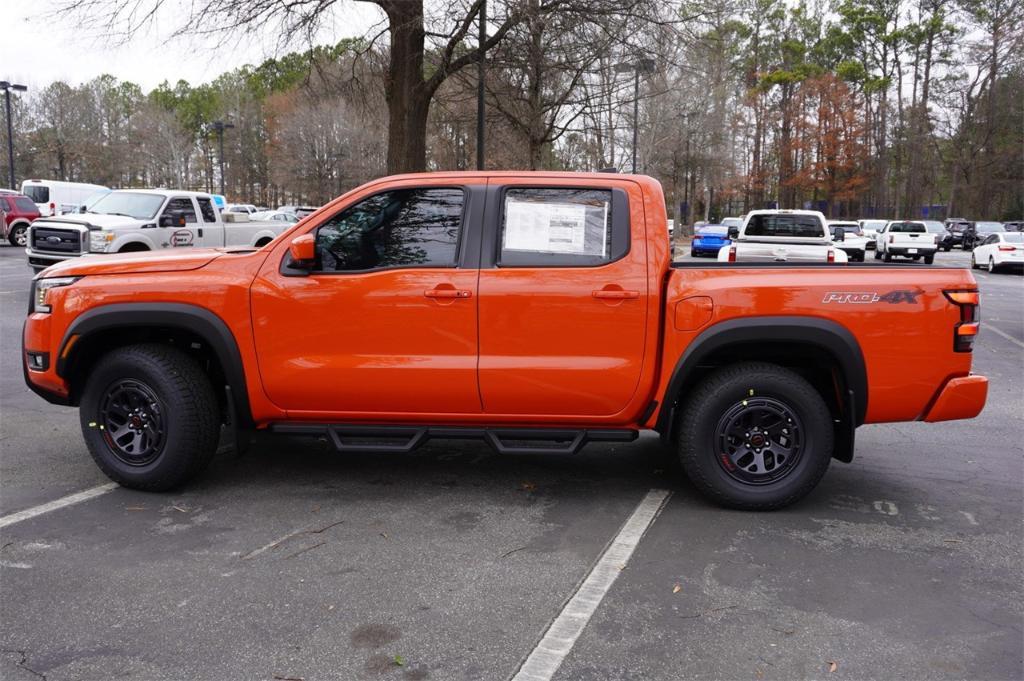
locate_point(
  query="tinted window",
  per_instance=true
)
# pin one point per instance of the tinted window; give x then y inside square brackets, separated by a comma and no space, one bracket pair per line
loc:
[184,207]
[402,228]
[25,205]
[800,226]
[207,209]
[907,227]
[561,227]
[37,193]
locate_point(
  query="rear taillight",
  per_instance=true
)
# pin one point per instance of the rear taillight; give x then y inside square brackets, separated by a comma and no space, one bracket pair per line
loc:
[732,254]
[1007,248]
[966,329]
[831,255]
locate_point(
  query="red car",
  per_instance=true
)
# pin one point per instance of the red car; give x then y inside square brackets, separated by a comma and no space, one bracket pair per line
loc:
[19,211]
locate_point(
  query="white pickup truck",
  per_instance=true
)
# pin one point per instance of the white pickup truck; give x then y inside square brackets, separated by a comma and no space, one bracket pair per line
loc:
[782,235]
[907,238]
[130,220]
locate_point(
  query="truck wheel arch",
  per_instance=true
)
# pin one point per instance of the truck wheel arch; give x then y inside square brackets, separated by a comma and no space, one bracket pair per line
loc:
[196,322]
[134,247]
[748,334]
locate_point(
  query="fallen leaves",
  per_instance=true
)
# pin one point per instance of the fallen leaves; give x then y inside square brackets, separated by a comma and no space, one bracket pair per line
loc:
[677,588]
[832,666]
[399,660]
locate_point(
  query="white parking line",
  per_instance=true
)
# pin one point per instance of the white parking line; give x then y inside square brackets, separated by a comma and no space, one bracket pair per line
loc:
[558,640]
[1000,332]
[75,498]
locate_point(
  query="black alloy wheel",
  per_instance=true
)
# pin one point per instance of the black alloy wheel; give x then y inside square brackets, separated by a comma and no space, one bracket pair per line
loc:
[760,440]
[132,418]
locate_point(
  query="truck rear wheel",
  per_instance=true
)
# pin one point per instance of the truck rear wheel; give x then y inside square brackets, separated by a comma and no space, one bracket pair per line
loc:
[755,436]
[149,416]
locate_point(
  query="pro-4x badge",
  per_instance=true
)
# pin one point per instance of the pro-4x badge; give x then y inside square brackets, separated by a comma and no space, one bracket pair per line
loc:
[861,297]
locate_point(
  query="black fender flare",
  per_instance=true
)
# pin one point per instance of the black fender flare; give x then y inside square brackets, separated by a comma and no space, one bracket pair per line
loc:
[192,318]
[832,337]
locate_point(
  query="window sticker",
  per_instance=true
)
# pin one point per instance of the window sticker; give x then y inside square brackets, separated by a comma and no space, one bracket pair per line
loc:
[548,227]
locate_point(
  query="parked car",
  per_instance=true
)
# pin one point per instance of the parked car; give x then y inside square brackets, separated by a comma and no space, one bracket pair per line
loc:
[275,216]
[53,197]
[19,212]
[978,231]
[999,250]
[129,220]
[869,230]
[852,241]
[241,208]
[907,239]
[955,228]
[370,325]
[937,228]
[782,235]
[708,240]
[1014,226]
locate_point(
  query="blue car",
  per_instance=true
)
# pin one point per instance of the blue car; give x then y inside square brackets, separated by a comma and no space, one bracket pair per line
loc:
[708,239]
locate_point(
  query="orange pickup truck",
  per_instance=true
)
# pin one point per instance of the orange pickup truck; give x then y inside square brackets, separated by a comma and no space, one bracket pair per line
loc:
[535,311]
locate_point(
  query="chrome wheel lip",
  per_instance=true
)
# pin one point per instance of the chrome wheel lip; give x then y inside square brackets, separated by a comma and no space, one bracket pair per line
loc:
[132,422]
[759,440]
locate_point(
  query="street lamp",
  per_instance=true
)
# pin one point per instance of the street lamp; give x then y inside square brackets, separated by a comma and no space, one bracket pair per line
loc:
[7,87]
[641,65]
[220,127]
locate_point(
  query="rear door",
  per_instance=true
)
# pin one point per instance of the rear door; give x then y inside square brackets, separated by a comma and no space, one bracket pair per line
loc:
[563,298]
[211,229]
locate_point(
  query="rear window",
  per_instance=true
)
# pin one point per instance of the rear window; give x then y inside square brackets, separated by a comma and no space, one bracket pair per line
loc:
[1014,238]
[908,228]
[25,205]
[37,193]
[935,227]
[713,230]
[206,207]
[989,227]
[799,226]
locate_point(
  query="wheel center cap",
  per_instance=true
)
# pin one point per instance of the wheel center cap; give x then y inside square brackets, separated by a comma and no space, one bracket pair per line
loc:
[136,422]
[757,440]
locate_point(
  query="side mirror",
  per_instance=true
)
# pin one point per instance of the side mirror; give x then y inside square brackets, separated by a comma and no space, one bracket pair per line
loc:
[840,234]
[302,250]
[734,232]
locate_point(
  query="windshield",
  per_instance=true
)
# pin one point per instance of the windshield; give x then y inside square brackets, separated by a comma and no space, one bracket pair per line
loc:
[713,230]
[37,193]
[800,226]
[873,224]
[130,204]
[935,226]
[732,222]
[91,200]
[907,227]
[989,227]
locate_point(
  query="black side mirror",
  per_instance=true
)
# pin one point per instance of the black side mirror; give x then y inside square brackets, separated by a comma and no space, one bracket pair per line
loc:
[840,234]
[82,209]
[734,232]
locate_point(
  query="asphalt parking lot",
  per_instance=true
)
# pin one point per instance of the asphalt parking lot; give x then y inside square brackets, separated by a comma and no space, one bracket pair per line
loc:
[295,562]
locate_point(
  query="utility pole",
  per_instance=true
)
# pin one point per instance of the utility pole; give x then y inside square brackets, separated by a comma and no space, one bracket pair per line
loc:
[7,87]
[220,126]
[481,51]
[641,65]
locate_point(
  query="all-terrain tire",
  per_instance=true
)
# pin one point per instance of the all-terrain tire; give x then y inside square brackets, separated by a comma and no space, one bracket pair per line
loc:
[719,395]
[178,415]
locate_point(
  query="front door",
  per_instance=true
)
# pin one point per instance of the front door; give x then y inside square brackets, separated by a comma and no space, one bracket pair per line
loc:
[179,235]
[563,300]
[387,321]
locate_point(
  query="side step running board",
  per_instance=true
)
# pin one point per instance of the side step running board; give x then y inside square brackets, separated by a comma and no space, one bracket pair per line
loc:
[404,439]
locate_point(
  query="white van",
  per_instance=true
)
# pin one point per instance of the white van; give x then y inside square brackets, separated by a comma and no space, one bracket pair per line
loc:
[57,198]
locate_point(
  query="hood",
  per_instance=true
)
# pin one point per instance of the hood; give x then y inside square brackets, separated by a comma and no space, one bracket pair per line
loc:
[93,221]
[132,263]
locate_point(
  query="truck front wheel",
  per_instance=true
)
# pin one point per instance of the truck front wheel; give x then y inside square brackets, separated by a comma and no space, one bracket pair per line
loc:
[149,416]
[755,436]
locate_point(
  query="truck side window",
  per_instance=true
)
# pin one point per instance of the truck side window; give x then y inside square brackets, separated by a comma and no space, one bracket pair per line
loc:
[548,227]
[399,228]
[184,207]
[206,208]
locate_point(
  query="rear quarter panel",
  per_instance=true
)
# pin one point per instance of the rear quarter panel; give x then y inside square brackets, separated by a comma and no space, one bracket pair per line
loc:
[906,339]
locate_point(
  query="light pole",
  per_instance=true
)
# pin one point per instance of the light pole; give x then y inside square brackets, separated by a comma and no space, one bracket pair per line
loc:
[7,87]
[481,51]
[220,127]
[641,65]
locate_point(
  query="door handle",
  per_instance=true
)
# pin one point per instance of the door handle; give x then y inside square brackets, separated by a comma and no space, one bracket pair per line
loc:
[447,293]
[616,294]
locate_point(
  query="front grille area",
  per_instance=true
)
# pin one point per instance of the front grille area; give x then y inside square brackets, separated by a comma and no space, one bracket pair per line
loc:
[49,240]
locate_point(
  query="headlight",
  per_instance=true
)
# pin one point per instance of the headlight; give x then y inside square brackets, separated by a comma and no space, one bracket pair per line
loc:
[99,240]
[40,287]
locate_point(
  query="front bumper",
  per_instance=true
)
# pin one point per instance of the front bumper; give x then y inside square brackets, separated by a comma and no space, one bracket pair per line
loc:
[960,398]
[35,339]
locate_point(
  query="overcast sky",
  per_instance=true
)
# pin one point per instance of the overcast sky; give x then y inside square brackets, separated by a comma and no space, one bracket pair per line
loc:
[37,48]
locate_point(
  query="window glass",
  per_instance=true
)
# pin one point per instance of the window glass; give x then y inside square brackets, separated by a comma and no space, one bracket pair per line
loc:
[206,207]
[989,227]
[25,205]
[129,204]
[1012,238]
[907,228]
[401,228]
[184,207]
[37,193]
[560,227]
[799,226]
[934,226]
